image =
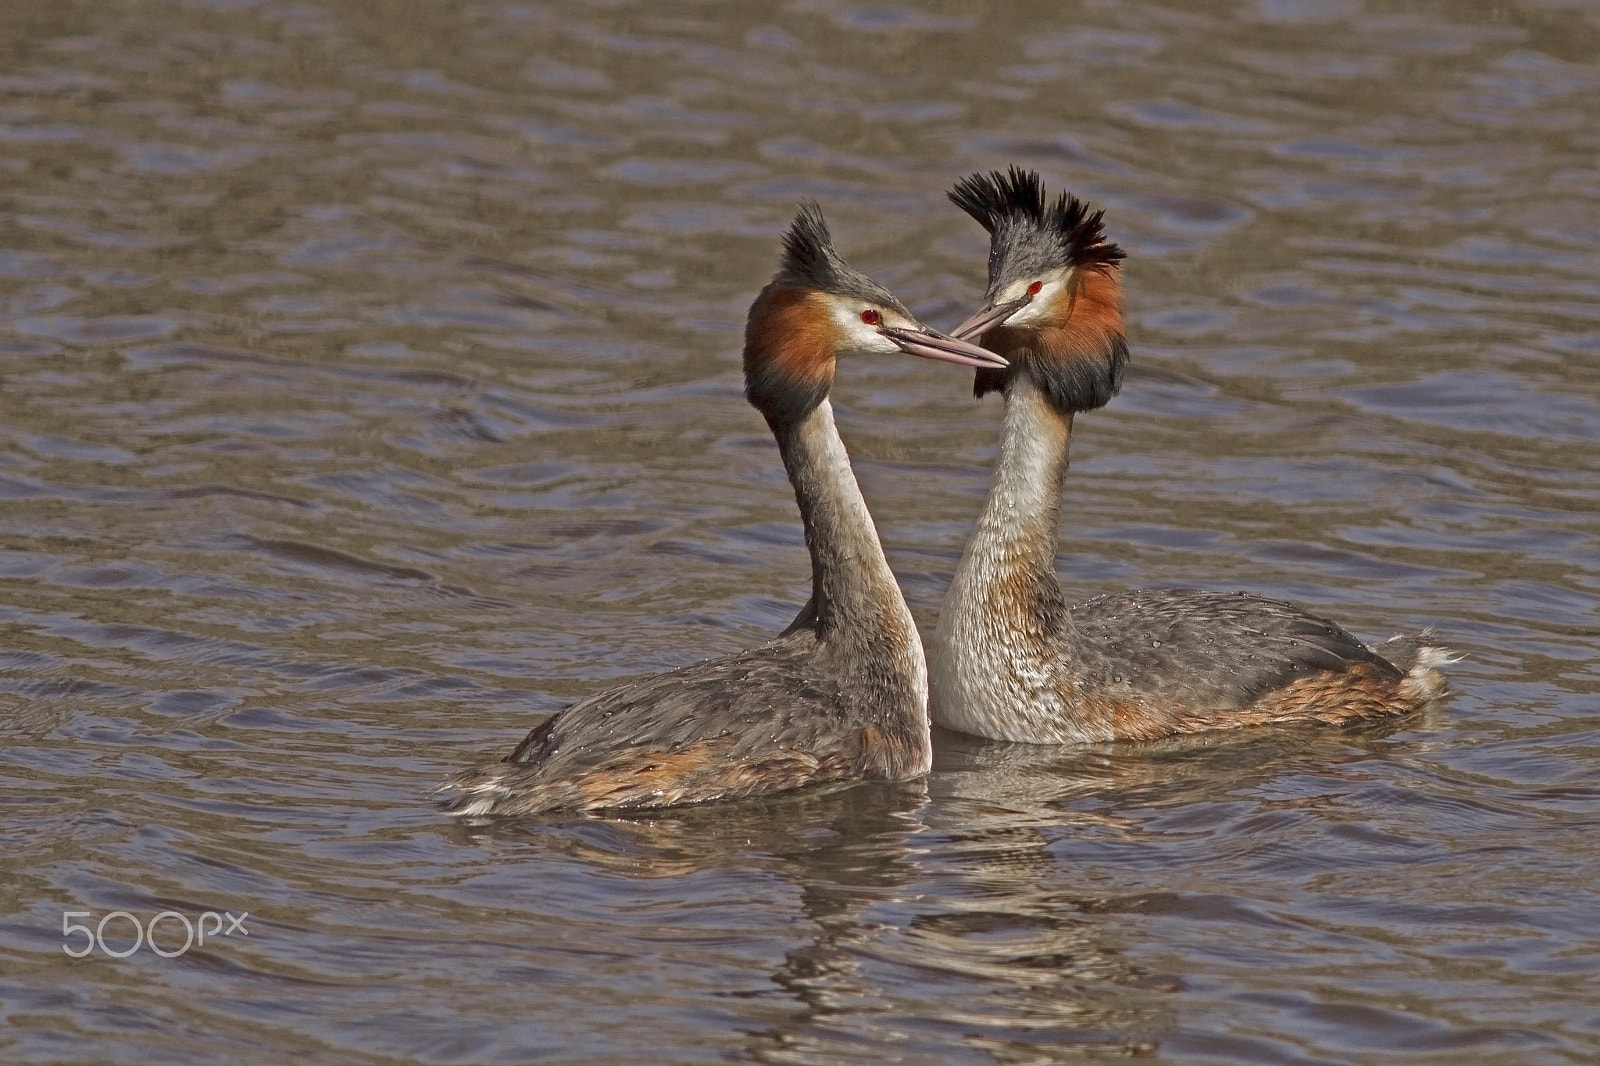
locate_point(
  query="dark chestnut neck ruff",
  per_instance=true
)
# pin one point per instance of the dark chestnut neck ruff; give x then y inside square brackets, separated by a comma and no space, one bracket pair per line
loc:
[1075,355]
[788,355]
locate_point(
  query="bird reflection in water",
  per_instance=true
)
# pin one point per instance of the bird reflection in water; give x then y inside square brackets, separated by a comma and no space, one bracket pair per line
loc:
[912,908]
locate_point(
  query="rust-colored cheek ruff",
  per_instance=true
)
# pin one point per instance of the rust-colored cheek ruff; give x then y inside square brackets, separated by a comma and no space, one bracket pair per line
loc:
[1078,353]
[1092,325]
[789,346]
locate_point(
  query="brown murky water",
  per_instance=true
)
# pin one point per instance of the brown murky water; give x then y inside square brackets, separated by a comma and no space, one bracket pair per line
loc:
[370,388]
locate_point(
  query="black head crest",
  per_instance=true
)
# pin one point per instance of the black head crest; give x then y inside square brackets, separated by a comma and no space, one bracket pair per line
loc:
[788,351]
[809,262]
[1078,364]
[1028,234]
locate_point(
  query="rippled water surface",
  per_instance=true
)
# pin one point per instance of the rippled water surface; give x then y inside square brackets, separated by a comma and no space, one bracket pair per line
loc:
[369,388]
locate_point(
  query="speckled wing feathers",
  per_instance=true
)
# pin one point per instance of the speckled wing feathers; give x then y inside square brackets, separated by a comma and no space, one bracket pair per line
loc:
[1201,650]
[777,716]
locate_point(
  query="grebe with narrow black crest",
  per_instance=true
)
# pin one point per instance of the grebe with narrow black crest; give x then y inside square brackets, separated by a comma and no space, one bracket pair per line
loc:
[1009,659]
[841,694]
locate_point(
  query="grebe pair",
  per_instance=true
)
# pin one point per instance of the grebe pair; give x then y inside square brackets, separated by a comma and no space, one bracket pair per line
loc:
[844,693]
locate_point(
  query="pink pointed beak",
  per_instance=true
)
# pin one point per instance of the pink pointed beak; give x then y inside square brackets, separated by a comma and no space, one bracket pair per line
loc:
[988,317]
[931,345]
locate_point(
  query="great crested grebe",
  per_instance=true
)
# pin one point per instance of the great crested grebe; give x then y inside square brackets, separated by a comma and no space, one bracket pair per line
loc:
[1009,659]
[842,693]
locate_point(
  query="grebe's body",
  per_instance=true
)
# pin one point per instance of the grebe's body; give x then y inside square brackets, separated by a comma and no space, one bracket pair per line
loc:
[1009,659]
[841,695]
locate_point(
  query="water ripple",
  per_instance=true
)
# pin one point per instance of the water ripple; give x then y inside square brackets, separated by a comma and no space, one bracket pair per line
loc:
[371,391]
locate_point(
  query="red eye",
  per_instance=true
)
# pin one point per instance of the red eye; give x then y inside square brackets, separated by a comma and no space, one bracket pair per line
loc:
[1033,290]
[871,317]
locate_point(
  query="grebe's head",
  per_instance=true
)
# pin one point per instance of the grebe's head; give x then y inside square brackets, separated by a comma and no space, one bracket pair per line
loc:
[1054,302]
[817,309]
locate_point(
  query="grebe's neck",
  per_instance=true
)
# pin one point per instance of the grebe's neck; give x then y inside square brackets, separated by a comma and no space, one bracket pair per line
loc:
[1004,629]
[1020,523]
[853,591]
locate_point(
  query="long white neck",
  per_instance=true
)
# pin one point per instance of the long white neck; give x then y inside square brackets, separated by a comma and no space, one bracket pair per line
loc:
[1021,519]
[1004,613]
[853,591]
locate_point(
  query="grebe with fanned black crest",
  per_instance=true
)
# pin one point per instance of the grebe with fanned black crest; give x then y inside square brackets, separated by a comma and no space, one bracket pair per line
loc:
[841,694]
[1009,659]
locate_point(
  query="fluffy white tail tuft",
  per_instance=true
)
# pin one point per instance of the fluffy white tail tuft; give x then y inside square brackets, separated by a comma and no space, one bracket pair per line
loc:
[1424,680]
[472,793]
